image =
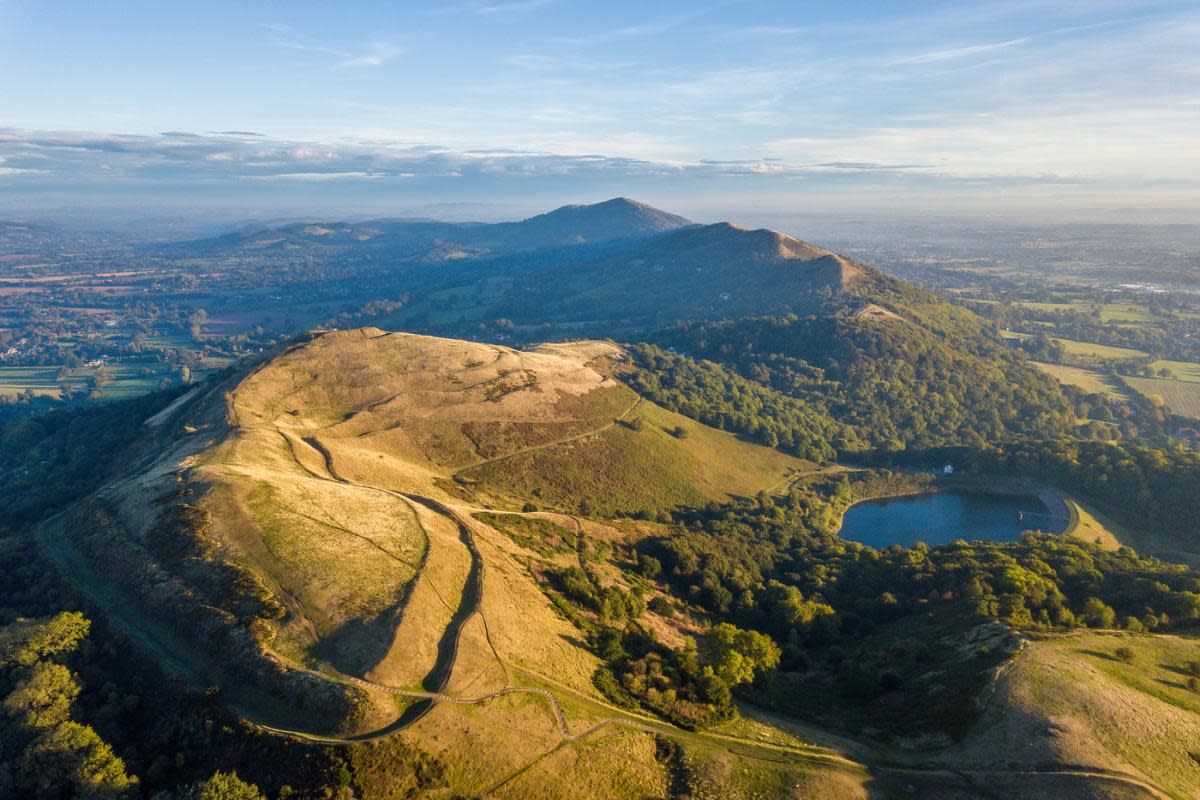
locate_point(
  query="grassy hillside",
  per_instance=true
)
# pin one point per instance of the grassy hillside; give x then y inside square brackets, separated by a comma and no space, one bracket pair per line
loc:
[1115,705]
[650,461]
[299,538]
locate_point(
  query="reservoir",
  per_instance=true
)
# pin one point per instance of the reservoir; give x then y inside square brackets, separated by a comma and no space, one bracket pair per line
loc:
[942,517]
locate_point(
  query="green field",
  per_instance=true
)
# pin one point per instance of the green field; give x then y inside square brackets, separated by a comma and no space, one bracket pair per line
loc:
[128,380]
[1099,350]
[1180,397]
[1089,380]
[1181,370]
[1125,312]
[1084,348]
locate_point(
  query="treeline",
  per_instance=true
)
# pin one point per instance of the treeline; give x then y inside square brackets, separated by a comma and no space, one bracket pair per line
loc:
[1145,487]
[894,384]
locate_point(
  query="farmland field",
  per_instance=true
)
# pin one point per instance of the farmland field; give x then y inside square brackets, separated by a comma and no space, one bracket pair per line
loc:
[1076,348]
[1099,350]
[1181,397]
[128,380]
[1182,370]
[1089,380]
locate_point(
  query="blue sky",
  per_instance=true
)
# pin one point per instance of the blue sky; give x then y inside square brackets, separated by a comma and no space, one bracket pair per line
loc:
[495,107]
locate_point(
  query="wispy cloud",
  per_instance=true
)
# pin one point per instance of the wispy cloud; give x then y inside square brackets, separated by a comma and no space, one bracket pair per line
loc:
[755,32]
[375,53]
[638,31]
[83,157]
[954,53]
[514,7]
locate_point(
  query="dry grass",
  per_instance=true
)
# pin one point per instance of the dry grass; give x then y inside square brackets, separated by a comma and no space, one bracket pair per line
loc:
[524,628]
[482,745]
[430,606]
[611,763]
[1070,700]
[623,469]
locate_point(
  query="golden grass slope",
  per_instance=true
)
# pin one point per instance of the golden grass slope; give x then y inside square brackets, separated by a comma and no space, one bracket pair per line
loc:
[1070,700]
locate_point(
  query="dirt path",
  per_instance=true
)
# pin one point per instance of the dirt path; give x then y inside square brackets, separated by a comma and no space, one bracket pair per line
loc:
[533,448]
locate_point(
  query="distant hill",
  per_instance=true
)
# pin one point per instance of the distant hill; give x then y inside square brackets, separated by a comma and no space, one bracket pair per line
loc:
[570,226]
[619,218]
[707,272]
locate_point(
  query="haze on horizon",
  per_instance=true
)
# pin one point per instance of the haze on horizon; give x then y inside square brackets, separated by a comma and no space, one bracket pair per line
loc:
[493,109]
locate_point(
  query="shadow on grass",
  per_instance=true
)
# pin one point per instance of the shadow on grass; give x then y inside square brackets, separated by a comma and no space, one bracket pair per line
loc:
[1177,670]
[468,603]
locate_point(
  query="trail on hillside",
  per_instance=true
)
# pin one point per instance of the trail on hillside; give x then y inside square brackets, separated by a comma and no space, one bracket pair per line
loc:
[575,437]
[969,779]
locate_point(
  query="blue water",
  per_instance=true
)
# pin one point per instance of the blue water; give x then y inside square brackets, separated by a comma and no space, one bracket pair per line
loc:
[942,517]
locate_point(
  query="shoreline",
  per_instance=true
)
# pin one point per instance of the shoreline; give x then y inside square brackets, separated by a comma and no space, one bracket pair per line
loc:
[1058,505]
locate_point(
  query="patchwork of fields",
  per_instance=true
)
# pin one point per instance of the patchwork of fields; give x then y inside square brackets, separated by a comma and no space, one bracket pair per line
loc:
[127,380]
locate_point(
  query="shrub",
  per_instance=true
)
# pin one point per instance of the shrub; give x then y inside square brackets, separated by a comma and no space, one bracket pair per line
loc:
[649,566]
[661,606]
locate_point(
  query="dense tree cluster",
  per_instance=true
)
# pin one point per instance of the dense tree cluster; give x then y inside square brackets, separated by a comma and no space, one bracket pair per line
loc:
[717,396]
[44,752]
[54,458]
[1149,488]
[766,565]
[893,383]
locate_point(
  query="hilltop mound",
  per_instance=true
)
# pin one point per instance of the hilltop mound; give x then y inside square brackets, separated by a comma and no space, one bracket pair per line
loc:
[340,537]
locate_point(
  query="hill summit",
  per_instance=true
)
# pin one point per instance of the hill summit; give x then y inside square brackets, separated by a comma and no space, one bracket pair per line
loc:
[619,218]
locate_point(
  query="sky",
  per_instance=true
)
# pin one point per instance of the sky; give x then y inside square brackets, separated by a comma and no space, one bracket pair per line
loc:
[498,108]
